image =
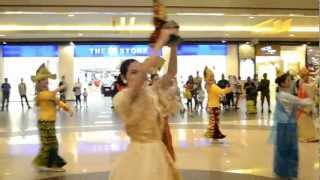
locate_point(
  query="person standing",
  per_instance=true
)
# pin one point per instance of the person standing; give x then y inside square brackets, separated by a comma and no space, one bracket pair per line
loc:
[77,92]
[264,87]
[63,89]
[251,96]
[85,97]
[23,93]
[223,83]
[5,87]
[197,87]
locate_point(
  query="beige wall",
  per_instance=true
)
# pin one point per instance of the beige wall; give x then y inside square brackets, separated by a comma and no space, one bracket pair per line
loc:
[66,68]
[232,60]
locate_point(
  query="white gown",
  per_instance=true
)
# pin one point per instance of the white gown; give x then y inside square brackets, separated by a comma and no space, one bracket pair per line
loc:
[146,157]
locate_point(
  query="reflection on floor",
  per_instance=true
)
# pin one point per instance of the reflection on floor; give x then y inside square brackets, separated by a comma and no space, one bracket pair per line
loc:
[92,139]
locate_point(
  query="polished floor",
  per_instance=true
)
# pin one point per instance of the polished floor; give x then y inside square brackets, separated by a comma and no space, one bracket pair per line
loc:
[92,139]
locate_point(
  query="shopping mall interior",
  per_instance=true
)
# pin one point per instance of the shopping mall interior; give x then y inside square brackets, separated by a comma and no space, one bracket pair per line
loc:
[84,43]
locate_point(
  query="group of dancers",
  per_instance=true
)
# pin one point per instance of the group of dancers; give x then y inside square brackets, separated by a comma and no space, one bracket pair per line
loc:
[145,110]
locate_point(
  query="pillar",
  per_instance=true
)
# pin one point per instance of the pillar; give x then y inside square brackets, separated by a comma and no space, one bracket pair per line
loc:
[66,65]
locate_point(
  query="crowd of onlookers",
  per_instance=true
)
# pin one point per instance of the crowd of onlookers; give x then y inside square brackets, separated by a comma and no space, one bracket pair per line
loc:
[195,92]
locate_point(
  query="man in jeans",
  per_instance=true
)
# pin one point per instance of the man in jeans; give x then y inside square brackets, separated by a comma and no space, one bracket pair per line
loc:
[5,87]
[23,93]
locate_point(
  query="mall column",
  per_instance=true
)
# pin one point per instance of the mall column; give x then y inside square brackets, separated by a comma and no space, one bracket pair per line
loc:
[66,67]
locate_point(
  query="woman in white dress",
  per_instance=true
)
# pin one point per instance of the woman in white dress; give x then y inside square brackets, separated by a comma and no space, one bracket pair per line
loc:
[142,109]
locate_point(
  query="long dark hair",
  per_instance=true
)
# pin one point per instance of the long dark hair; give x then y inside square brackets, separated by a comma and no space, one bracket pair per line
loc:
[281,79]
[125,66]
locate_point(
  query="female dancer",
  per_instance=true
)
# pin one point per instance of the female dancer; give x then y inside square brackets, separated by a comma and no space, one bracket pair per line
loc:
[142,109]
[48,158]
[306,89]
[285,129]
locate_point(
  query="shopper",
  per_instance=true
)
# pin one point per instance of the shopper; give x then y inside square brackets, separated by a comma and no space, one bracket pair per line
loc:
[85,97]
[223,83]
[77,92]
[62,92]
[48,158]
[23,93]
[251,96]
[264,91]
[5,87]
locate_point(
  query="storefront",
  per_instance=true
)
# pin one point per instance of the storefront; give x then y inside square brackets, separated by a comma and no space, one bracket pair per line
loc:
[96,65]
[269,58]
[194,57]
[22,61]
[247,61]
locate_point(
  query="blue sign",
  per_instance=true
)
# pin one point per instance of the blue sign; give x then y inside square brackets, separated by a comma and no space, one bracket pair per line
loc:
[202,49]
[30,51]
[111,50]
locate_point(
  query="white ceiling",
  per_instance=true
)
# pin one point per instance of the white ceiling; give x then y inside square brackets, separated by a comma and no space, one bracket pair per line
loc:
[208,19]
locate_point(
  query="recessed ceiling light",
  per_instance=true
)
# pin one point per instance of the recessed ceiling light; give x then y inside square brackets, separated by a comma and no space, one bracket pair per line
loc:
[70,15]
[251,17]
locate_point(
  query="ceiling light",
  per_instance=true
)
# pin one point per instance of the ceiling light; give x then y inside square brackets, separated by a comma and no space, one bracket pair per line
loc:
[251,17]
[70,15]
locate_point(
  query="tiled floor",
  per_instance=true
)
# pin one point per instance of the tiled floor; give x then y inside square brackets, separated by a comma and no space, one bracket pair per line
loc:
[92,139]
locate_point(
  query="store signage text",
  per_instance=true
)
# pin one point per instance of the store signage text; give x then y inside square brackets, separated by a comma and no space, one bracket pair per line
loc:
[111,50]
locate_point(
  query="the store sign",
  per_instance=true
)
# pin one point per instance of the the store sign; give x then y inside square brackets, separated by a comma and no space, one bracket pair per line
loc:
[111,50]
[202,49]
[30,51]
[268,50]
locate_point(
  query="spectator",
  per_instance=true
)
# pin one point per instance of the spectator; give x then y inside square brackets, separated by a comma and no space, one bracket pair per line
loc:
[5,87]
[85,97]
[265,91]
[62,92]
[23,93]
[77,92]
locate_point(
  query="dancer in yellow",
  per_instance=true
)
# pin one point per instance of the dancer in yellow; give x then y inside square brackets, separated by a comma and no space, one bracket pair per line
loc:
[214,94]
[306,127]
[47,102]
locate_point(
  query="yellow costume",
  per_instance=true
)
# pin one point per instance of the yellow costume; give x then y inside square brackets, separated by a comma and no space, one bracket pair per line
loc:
[47,103]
